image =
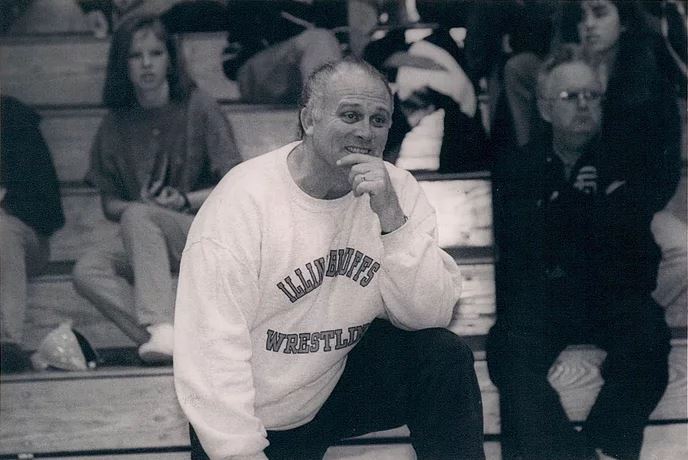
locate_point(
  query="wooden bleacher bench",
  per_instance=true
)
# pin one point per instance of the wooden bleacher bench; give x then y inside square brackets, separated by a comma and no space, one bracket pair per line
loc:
[122,410]
[69,70]
[126,411]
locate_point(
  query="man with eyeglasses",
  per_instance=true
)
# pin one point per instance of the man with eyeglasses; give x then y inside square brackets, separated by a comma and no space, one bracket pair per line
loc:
[576,264]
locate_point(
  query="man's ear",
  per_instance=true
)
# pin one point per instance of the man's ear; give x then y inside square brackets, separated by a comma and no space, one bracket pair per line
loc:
[306,118]
[545,109]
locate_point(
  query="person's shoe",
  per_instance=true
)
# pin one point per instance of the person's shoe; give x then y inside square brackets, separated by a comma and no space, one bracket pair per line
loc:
[13,359]
[158,349]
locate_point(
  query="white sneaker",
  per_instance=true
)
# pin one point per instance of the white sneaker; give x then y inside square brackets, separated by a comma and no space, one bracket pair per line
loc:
[159,347]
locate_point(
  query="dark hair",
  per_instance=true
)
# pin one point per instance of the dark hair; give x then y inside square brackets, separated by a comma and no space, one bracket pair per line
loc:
[316,86]
[630,17]
[118,91]
[636,64]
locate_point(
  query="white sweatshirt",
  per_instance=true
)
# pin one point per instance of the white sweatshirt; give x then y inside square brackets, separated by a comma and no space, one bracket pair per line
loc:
[276,287]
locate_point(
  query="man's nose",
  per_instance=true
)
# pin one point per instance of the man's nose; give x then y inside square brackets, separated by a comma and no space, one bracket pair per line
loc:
[364,130]
[146,60]
[583,102]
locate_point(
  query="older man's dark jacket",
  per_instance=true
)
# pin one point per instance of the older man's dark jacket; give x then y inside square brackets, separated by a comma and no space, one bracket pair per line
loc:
[561,250]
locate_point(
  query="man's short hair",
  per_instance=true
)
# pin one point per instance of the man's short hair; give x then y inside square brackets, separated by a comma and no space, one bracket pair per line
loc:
[564,54]
[316,86]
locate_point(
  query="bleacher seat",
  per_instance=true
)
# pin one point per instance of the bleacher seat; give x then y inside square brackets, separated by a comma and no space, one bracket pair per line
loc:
[69,70]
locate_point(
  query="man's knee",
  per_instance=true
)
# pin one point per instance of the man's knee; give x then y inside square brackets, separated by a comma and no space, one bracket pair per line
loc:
[442,348]
[316,37]
[81,274]
[643,359]
[90,264]
[136,215]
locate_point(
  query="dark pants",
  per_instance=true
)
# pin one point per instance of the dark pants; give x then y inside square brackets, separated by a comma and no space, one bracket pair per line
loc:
[424,379]
[632,330]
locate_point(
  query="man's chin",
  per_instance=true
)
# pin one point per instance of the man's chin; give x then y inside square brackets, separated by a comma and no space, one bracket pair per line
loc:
[584,135]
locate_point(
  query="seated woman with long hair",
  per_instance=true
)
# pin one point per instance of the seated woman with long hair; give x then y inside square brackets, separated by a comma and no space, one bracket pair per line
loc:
[158,152]
[641,128]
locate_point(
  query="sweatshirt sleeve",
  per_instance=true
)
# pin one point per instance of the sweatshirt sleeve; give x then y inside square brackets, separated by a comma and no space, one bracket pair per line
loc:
[216,298]
[420,282]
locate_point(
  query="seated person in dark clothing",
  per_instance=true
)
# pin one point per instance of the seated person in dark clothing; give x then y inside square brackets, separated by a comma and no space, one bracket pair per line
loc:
[275,45]
[505,43]
[30,211]
[105,16]
[577,264]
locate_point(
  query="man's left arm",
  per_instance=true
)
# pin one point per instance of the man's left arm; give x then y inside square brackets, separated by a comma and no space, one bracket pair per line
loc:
[420,283]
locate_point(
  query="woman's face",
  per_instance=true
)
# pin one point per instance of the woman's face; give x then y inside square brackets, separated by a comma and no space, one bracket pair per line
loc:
[600,26]
[148,61]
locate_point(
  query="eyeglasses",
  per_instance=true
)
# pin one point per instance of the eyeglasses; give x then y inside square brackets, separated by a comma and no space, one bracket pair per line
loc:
[589,96]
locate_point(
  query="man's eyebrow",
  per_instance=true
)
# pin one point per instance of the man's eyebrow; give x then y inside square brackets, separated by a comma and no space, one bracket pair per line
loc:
[356,105]
[344,105]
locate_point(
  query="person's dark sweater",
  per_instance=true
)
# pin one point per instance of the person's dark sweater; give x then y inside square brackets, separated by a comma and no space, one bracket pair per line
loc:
[641,126]
[561,250]
[27,171]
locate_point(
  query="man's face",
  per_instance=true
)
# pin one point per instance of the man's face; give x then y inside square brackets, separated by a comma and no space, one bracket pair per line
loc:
[354,117]
[148,61]
[573,100]
[600,26]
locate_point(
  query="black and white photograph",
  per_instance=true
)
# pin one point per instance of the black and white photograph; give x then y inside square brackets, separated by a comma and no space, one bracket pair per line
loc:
[343,229]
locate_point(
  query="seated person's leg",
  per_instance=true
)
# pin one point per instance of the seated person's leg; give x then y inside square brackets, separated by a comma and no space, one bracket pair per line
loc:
[532,419]
[154,239]
[520,79]
[672,278]
[271,76]
[317,46]
[275,75]
[22,253]
[635,372]
[103,275]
